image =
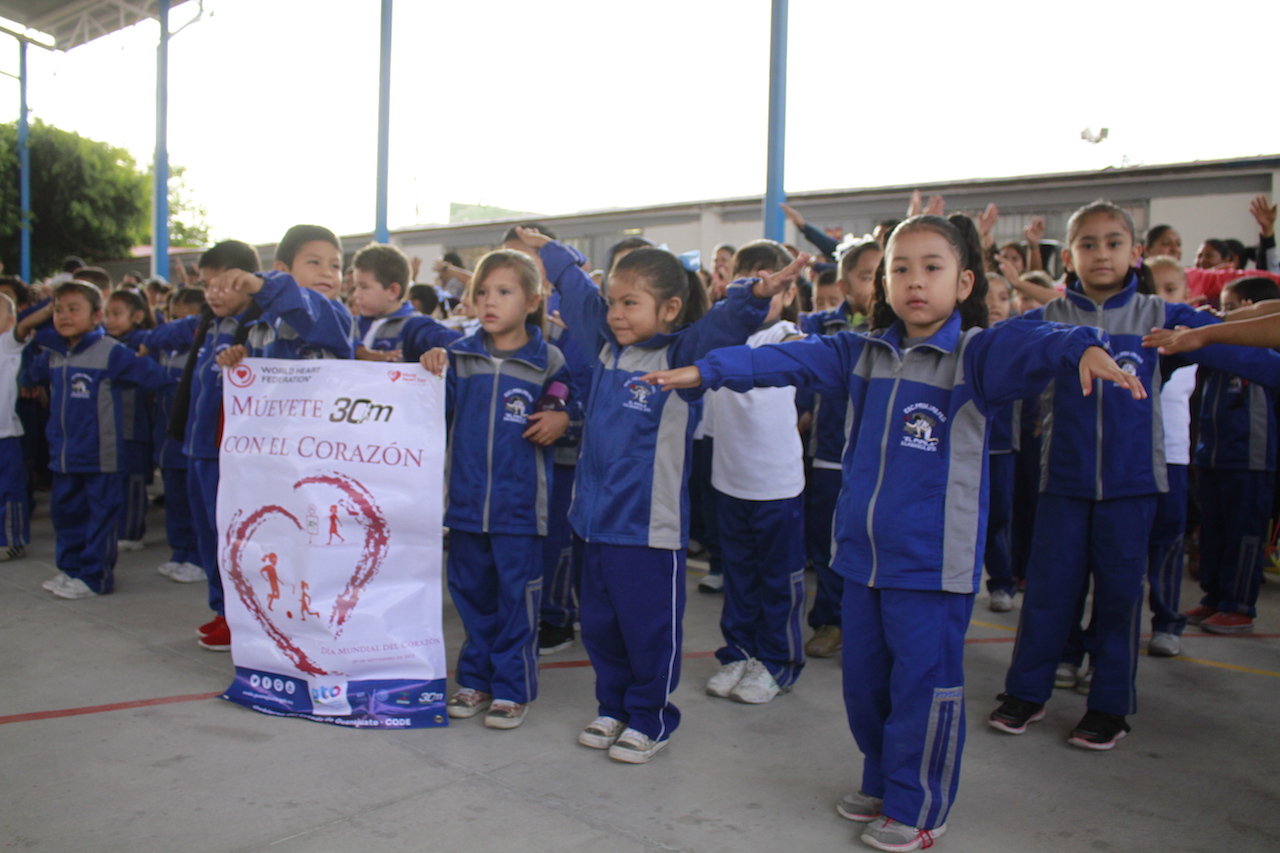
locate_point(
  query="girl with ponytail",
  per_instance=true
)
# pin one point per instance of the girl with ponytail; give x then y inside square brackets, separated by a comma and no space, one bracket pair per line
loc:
[911,518]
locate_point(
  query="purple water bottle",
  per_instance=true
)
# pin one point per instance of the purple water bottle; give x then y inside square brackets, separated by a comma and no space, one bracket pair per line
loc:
[554,400]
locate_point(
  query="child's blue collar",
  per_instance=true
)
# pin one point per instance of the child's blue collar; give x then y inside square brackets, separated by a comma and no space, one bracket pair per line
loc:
[1121,297]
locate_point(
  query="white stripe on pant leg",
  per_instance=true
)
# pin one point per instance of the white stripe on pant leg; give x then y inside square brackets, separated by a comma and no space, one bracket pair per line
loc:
[941,696]
[952,765]
[671,663]
[530,651]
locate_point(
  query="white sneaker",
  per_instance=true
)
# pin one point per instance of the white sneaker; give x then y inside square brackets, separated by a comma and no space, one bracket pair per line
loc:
[13,552]
[1001,601]
[56,581]
[130,544]
[601,733]
[166,567]
[1065,677]
[74,588]
[757,686]
[722,683]
[711,583]
[1164,645]
[633,747]
[186,573]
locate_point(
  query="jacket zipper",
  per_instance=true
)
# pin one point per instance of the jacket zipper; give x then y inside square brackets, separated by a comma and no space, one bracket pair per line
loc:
[493,411]
[63,415]
[884,449]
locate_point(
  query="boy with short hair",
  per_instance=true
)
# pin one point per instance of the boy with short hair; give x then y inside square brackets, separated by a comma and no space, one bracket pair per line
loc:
[276,315]
[310,256]
[87,373]
[15,522]
[386,327]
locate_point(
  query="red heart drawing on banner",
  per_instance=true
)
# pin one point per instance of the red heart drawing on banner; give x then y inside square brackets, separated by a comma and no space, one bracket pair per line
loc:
[393,375]
[372,554]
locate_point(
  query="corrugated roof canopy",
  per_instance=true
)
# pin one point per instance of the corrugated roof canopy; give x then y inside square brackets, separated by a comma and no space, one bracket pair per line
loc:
[75,22]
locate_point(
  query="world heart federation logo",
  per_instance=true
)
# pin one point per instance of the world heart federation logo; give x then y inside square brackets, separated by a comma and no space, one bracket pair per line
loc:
[358,503]
[393,375]
[240,376]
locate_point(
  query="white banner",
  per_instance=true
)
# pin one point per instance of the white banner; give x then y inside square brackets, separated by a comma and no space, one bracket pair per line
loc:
[329,526]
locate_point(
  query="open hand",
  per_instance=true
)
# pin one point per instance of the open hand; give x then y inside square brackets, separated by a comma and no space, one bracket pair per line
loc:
[1173,341]
[772,283]
[1265,214]
[1097,363]
[679,377]
[532,236]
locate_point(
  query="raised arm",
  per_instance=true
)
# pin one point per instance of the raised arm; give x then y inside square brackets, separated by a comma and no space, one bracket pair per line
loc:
[316,320]
[1019,357]
[582,306]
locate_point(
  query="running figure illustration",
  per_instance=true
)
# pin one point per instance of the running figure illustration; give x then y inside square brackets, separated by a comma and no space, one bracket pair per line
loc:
[269,571]
[305,602]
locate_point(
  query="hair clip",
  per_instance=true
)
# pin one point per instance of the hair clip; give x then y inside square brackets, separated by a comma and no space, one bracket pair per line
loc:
[691,261]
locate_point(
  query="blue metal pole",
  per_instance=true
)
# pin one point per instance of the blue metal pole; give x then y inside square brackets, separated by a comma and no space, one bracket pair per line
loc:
[774,196]
[160,171]
[24,166]
[380,232]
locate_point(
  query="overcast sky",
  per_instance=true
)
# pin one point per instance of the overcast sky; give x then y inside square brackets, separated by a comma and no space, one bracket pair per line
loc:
[273,105]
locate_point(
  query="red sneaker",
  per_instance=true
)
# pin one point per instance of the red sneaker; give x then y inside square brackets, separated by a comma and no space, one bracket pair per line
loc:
[1196,615]
[211,626]
[217,640]
[1227,623]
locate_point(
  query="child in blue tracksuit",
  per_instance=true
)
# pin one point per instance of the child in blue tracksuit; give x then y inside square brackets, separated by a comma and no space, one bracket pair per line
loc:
[631,498]
[245,316]
[561,561]
[760,513]
[90,377]
[500,481]
[15,507]
[1103,467]
[1236,456]
[386,327]
[184,563]
[831,409]
[127,317]
[910,523]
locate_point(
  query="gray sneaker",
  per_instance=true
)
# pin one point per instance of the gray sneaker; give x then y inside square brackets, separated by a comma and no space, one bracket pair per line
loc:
[1164,645]
[859,807]
[897,837]
[1065,677]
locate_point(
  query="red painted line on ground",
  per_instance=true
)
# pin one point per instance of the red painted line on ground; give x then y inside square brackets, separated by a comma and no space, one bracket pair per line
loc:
[98,709]
[564,664]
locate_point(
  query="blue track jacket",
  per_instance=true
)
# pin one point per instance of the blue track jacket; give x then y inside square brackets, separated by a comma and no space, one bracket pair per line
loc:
[632,478]
[89,410]
[912,512]
[499,481]
[1109,445]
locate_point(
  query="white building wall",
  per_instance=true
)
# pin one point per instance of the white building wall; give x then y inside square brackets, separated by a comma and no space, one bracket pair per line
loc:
[1198,218]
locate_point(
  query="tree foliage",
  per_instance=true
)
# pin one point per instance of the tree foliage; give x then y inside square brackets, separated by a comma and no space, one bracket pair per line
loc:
[87,198]
[188,221]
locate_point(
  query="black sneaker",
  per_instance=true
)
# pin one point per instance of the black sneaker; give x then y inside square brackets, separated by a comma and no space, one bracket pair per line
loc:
[1013,714]
[552,639]
[1097,730]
